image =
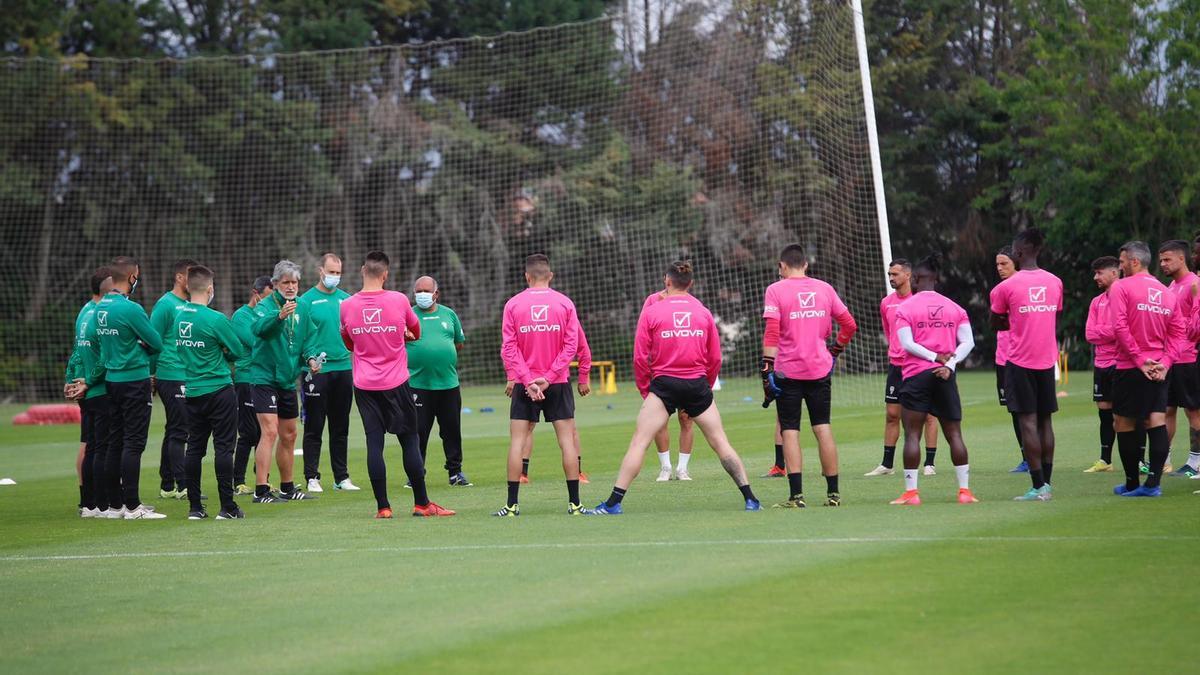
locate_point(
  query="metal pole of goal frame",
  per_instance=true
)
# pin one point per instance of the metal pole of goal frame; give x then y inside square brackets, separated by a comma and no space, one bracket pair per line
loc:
[864,70]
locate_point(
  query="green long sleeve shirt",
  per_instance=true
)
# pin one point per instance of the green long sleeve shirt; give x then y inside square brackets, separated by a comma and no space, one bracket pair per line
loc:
[205,342]
[243,321]
[85,357]
[276,358]
[127,340]
[323,328]
[167,366]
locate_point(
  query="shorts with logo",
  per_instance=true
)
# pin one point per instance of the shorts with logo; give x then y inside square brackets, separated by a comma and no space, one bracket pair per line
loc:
[270,400]
[1030,391]
[1000,384]
[1183,386]
[1136,397]
[559,404]
[1102,384]
[928,393]
[816,395]
[691,396]
[891,390]
[392,410]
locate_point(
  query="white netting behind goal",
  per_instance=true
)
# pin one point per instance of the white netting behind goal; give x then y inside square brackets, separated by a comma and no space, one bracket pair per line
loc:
[719,136]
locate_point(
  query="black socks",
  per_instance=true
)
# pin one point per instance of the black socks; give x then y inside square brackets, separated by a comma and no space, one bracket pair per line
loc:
[1159,451]
[573,491]
[1127,448]
[831,484]
[524,469]
[779,455]
[747,492]
[795,485]
[930,454]
[1107,435]
[615,498]
[889,456]
[514,487]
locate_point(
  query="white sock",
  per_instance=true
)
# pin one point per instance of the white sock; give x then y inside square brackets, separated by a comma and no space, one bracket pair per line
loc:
[964,476]
[664,459]
[1194,460]
[910,478]
[683,461]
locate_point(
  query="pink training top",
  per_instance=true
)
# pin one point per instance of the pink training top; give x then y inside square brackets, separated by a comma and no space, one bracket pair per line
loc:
[806,309]
[887,313]
[676,337]
[1185,347]
[373,325]
[934,320]
[1146,320]
[1032,300]
[583,356]
[656,296]
[1003,340]
[540,336]
[1100,332]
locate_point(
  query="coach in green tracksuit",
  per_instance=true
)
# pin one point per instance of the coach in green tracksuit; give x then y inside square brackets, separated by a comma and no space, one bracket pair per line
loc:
[127,341]
[243,320]
[328,389]
[206,342]
[274,367]
[168,384]
[433,365]
[94,410]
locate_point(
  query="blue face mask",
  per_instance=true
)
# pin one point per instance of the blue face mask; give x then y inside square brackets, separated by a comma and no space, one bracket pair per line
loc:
[331,282]
[424,300]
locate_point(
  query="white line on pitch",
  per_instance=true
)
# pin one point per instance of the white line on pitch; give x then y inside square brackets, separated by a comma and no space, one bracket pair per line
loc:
[593,545]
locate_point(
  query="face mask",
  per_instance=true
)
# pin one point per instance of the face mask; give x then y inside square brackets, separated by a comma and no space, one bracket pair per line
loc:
[209,298]
[332,281]
[133,285]
[424,300]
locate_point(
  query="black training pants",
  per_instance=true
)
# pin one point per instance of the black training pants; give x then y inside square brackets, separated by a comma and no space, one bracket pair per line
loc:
[171,471]
[327,397]
[214,414]
[130,423]
[248,432]
[445,406]
[96,455]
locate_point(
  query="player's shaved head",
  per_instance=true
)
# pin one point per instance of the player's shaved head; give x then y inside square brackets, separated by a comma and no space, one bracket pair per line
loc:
[199,278]
[794,257]
[100,278]
[123,267]
[679,275]
[537,266]
[375,265]
[902,263]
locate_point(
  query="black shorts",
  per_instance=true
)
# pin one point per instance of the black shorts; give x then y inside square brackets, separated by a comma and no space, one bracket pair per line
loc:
[1183,386]
[891,390]
[691,396]
[1102,384]
[1136,397]
[1030,391]
[392,410]
[1000,386]
[269,400]
[927,393]
[559,404]
[816,395]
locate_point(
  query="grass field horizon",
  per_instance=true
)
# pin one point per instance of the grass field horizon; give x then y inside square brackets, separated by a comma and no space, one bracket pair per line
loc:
[685,581]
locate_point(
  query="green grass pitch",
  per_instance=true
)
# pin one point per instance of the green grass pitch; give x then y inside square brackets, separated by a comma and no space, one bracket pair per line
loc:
[685,581]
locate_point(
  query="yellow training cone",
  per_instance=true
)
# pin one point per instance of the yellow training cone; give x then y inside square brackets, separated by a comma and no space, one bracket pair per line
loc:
[610,382]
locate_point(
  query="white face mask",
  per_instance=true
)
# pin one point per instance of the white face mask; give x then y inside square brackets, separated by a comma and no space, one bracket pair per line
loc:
[331,281]
[209,298]
[424,300]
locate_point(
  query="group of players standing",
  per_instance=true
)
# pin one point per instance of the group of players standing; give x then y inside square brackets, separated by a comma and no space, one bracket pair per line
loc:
[357,347]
